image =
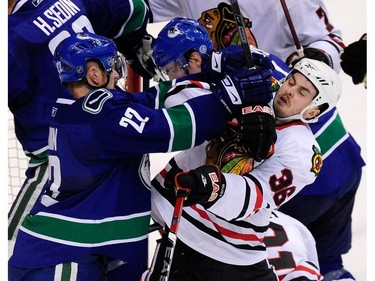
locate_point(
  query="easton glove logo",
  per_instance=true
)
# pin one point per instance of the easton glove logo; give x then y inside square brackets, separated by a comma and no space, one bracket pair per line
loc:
[215,186]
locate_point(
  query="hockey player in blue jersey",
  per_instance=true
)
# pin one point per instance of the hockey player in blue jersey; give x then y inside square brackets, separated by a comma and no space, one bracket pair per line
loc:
[34,30]
[183,47]
[96,203]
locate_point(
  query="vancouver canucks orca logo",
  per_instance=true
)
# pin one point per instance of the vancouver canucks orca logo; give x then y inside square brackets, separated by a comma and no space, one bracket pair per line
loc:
[174,31]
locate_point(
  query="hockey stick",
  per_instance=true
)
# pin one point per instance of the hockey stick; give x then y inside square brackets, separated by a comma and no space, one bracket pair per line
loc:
[154,227]
[238,18]
[292,29]
[162,262]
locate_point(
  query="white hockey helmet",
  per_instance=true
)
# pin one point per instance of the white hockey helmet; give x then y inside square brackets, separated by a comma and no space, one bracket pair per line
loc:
[325,80]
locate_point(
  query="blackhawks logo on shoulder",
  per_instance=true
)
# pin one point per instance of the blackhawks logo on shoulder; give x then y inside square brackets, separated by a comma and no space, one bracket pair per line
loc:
[316,161]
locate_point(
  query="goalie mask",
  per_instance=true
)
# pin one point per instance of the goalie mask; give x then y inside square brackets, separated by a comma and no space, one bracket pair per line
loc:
[327,83]
[179,37]
[72,54]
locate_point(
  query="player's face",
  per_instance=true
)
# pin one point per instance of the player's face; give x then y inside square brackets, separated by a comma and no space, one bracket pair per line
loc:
[294,95]
[173,70]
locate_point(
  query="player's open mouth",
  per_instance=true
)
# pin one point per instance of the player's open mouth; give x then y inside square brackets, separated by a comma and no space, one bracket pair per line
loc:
[284,99]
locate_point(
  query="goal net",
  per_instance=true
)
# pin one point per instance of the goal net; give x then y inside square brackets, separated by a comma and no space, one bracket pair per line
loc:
[17,162]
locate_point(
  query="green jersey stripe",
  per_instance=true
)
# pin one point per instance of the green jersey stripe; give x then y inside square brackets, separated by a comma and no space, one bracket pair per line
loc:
[333,133]
[92,232]
[137,18]
[182,126]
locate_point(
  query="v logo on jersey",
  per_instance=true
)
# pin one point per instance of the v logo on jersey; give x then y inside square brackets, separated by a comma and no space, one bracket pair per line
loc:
[231,90]
[94,101]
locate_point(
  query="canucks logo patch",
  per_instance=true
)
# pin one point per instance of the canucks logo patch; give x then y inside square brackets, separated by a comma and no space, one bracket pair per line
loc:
[317,161]
[95,100]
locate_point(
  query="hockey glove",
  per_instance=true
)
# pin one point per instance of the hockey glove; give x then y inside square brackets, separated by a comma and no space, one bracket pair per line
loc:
[229,60]
[206,184]
[354,59]
[311,53]
[169,178]
[140,58]
[257,131]
[244,87]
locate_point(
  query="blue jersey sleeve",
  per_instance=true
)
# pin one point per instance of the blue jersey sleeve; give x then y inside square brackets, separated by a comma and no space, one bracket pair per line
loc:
[35,28]
[118,124]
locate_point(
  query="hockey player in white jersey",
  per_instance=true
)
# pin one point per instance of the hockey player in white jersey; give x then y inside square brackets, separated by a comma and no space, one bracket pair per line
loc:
[268,29]
[266,25]
[227,237]
[291,249]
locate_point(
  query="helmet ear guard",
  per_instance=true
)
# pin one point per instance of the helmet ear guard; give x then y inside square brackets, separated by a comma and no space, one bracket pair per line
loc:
[327,83]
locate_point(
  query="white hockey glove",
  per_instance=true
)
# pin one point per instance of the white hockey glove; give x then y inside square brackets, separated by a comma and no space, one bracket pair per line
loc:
[144,54]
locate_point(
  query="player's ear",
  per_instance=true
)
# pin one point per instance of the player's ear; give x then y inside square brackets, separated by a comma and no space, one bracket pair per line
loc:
[94,74]
[195,63]
[311,113]
[195,58]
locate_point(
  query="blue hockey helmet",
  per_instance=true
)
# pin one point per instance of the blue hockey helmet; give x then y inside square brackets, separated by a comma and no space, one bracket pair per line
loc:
[72,54]
[179,37]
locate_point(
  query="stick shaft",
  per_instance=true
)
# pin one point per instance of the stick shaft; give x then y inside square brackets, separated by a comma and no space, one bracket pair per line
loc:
[292,29]
[162,263]
[238,18]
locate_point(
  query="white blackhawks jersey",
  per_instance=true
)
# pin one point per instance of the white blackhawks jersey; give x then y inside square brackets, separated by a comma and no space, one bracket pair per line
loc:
[233,229]
[269,28]
[291,249]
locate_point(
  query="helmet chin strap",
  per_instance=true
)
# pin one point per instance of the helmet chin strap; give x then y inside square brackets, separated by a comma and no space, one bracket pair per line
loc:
[289,118]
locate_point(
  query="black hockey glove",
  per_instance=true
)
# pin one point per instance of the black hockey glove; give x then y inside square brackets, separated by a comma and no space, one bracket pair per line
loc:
[229,60]
[244,87]
[257,131]
[206,185]
[169,178]
[311,53]
[354,59]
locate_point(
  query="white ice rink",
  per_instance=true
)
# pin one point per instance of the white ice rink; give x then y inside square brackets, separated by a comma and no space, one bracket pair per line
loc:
[351,18]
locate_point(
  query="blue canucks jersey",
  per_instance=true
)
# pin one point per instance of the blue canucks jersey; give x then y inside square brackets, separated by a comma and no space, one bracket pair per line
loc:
[34,30]
[97,198]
